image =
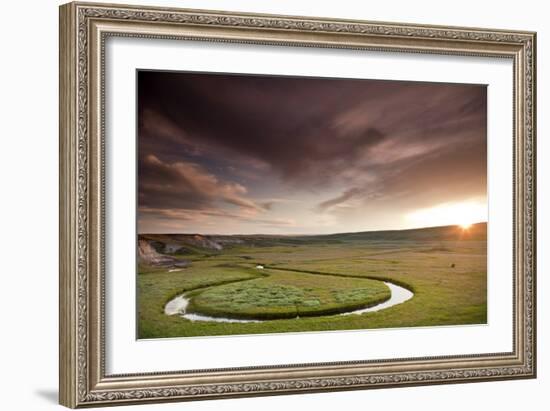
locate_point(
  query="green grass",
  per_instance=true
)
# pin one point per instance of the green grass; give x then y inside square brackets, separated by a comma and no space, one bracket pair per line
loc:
[284,294]
[308,279]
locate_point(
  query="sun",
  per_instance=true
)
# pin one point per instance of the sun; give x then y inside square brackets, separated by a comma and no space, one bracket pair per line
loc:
[460,214]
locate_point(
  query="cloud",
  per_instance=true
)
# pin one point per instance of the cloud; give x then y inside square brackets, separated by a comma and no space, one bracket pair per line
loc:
[151,219]
[327,146]
[187,185]
[285,123]
[345,196]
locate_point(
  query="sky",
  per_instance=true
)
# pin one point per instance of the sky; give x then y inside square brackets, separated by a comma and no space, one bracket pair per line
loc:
[245,154]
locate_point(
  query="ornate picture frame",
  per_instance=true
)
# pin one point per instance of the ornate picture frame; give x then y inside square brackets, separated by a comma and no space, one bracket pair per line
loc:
[84,29]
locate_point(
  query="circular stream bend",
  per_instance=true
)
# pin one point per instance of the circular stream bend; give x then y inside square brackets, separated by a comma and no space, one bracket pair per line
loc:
[178,306]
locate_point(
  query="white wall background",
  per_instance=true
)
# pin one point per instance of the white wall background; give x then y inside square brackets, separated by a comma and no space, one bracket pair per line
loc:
[28,211]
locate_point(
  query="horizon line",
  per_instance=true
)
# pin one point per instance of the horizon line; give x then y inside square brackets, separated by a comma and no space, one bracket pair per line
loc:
[316,234]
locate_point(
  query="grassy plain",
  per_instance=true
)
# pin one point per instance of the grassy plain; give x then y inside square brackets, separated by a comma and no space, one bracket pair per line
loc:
[307,280]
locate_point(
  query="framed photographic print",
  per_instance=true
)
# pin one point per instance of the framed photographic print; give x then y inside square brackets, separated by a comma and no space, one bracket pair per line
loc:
[259,204]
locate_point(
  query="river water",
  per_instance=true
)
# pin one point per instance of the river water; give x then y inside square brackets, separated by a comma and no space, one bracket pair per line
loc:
[178,306]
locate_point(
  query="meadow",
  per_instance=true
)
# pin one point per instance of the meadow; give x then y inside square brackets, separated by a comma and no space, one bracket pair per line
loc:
[296,284]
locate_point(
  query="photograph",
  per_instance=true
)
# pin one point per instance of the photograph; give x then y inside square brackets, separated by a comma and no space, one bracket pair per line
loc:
[277,204]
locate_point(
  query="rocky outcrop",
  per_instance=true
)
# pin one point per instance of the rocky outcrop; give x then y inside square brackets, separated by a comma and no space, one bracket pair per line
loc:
[189,243]
[148,255]
[203,242]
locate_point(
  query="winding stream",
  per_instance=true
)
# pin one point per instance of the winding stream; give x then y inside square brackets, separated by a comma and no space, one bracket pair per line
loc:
[178,306]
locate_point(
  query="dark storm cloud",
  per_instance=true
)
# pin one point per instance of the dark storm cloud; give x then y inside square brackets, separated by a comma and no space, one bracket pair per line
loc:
[284,122]
[206,139]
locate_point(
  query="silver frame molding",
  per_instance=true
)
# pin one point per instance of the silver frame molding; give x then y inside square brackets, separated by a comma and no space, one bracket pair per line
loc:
[84,27]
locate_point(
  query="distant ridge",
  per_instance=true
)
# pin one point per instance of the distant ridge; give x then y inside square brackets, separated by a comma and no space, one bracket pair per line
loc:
[476,231]
[193,243]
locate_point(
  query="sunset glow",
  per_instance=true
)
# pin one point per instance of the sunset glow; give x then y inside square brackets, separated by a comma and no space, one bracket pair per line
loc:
[463,214]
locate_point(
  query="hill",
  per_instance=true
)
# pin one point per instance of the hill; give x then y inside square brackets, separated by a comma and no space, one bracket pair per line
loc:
[183,244]
[477,232]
